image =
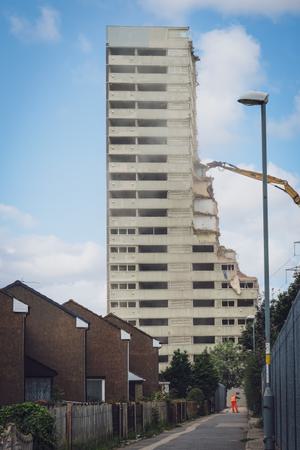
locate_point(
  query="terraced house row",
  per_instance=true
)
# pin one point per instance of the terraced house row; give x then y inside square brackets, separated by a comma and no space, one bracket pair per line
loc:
[167,272]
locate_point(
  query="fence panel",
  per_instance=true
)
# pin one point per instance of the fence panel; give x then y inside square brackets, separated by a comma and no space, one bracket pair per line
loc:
[285,379]
[59,415]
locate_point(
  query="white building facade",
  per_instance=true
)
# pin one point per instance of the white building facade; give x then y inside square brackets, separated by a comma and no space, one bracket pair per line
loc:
[167,272]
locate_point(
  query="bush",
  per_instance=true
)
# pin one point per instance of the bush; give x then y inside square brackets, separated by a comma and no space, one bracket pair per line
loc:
[31,418]
[196,395]
[252,383]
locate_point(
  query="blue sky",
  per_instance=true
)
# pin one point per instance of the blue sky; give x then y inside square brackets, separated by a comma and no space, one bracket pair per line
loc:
[52,130]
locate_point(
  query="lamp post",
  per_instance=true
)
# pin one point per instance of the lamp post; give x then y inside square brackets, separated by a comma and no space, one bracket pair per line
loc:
[254,98]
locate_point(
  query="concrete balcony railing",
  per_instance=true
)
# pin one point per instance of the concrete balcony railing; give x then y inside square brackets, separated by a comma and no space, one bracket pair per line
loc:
[148,78]
[133,113]
[136,60]
[180,131]
[148,96]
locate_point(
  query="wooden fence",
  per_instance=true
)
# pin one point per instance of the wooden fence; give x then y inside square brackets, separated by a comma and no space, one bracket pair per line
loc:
[78,424]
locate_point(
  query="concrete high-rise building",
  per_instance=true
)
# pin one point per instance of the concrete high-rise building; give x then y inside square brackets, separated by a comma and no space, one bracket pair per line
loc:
[167,272]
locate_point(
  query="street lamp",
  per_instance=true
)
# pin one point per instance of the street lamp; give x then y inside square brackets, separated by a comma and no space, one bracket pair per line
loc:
[254,98]
[252,318]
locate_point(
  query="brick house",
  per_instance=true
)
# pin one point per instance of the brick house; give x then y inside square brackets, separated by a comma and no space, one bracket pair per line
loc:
[55,345]
[143,355]
[12,349]
[106,356]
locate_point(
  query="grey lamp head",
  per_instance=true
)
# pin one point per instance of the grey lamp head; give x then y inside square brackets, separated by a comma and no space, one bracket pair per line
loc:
[252,317]
[254,98]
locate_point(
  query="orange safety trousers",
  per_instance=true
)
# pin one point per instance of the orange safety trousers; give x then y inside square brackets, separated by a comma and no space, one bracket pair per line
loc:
[234,407]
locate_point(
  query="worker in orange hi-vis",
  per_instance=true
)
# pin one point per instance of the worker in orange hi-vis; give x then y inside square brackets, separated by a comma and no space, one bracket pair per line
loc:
[233,399]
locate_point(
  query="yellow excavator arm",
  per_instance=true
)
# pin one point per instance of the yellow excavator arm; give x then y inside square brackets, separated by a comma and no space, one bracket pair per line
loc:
[277,182]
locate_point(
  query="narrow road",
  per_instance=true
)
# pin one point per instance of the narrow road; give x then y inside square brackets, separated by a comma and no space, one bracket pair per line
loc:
[224,431]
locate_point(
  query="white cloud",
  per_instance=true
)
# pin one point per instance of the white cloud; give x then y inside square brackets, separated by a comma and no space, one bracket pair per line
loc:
[44,29]
[230,63]
[289,126]
[11,213]
[177,8]
[56,268]
[240,210]
[84,44]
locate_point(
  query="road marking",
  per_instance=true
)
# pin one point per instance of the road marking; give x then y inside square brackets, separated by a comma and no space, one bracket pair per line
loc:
[180,433]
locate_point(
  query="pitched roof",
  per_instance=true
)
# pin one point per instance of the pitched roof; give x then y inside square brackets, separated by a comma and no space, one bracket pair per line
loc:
[19,283]
[97,316]
[128,324]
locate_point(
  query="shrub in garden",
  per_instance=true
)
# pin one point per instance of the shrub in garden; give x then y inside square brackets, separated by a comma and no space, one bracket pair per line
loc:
[31,418]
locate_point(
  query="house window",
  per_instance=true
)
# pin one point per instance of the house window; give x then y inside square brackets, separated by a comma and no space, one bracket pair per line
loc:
[38,388]
[95,390]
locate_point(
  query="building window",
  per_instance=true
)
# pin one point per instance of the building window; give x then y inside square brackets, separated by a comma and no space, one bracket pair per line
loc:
[203,248]
[122,267]
[153,176]
[152,158]
[152,87]
[226,286]
[123,212]
[162,339]
[132,322]
[151,105]
[152,194]
[122,140]
[122,194]
[123,286]
[122,158]
[153,303]
[228,339]
[228,321]
[95,390]
[228,303]
[203,321]
[203,303]
[122,51]
[152,123]
[163,358]
[153,285]
[149,140]
[122,231]
[153,267]
[114,304]
[203,266]
[153,248]
[246,285]
[122,249]
[122,176]
[152,52]
[227,266]
[243,302]
[155,230]
[152,212]
[121,87]
[153,322]
[122,69]
[152,69]
[204,339]
[241,321]
[203,285]
[122,105]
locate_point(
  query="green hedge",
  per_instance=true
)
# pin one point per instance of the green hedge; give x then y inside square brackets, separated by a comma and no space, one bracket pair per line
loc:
[31,418]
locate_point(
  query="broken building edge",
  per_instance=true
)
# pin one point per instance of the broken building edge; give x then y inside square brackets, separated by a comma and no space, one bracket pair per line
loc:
[167,272]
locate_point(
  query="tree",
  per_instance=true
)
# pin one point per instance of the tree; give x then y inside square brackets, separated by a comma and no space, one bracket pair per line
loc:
[252,382]
[228,360]
[281,306]
[205,376]
[179,373]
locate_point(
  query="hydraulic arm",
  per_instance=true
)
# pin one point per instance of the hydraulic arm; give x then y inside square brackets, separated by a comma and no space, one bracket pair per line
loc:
[277,182]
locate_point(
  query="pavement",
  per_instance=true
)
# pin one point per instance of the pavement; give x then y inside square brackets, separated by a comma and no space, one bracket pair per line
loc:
[255,436]
[223,431]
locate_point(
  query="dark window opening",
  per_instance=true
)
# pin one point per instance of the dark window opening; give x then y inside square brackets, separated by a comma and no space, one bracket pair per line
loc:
[241,321]
[122,158]
[152,176]
[122,122]
[152,87]
[153,248]
[227,321]
[123,176]
[152,51]
[152,194]
[121,87]
[123,212]
[203,303]
[203,266]
[122,105]
[94,390]
[153,212]
[203,285]
[152,123]
[153,322]
[152,69]
[121,51]
[152,105]
[162,339]
[132,322]
[155,230]
[122,194]
[153,267]
[153,285]
[226,286]
[163,358]
[122,140]
[228,303]
[122,69]
[246,285]
[227,266]
[152,140]
[153,303]
[245,302]
[203,248]
[204,339]
[203,321]
[152,158]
